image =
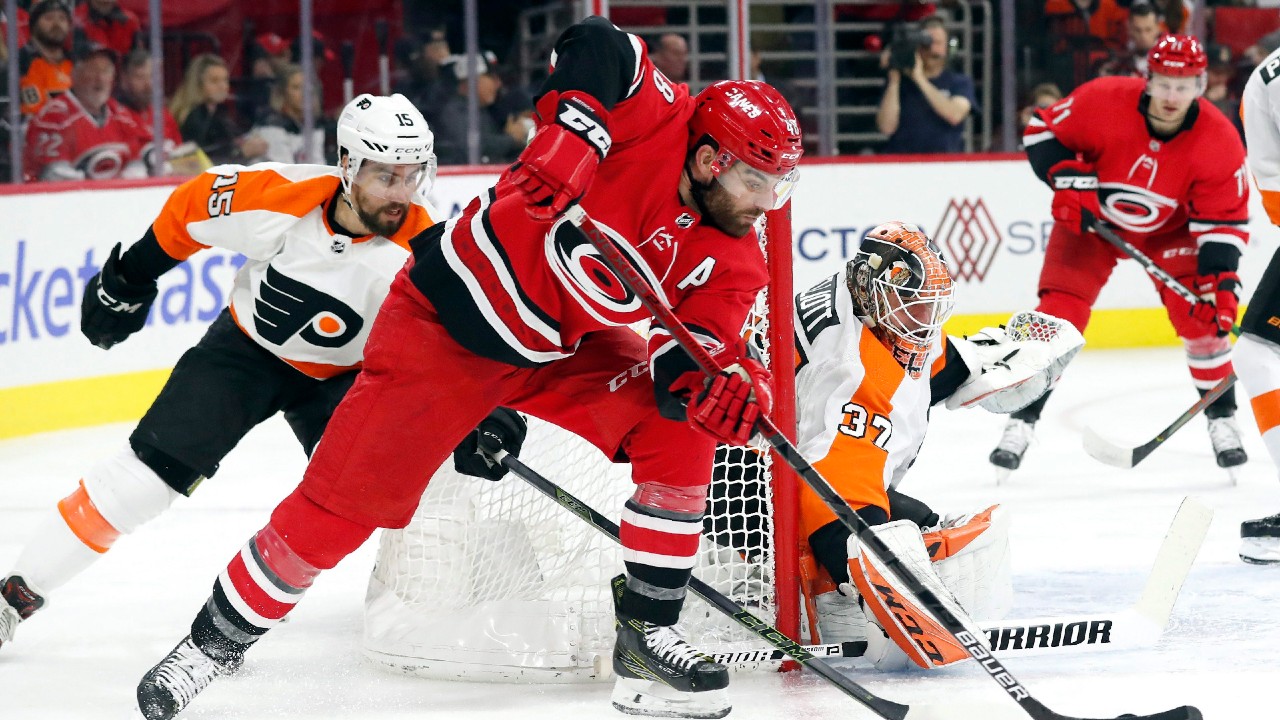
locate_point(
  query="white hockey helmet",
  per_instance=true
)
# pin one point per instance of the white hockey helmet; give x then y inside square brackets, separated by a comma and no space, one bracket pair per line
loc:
[386,130]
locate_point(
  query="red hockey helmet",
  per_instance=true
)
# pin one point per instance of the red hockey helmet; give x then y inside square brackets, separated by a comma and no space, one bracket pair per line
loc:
[749,121]
[1177,56]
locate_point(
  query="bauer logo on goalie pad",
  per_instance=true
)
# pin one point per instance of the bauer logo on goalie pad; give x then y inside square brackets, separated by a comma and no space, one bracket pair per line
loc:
[285,307]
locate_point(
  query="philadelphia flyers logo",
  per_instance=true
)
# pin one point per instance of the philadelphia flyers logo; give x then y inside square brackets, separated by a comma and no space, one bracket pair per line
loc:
[588,278]
[285,307]
[1135,209]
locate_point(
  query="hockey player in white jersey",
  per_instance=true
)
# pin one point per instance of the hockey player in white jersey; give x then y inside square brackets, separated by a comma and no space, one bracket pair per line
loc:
[1257,351]
[871,361]
[322,244]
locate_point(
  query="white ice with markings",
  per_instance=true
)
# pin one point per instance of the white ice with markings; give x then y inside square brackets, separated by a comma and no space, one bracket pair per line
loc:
[1084,537]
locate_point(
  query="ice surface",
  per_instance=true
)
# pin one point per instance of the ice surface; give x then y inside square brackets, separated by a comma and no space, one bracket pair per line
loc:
[1084,536]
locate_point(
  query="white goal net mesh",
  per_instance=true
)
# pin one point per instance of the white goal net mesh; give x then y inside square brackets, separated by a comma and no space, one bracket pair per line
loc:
[494,581]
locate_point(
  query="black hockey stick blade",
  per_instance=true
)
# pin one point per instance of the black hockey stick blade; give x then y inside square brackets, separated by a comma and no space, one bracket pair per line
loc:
[1104,450]
[787,452]
[886,709]
[1038,711]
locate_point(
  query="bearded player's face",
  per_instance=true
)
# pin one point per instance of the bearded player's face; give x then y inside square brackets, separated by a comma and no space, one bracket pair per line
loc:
[381,195]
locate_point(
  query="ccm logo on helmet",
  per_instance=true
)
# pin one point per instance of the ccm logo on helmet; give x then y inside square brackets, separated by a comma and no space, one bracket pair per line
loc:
[738,100]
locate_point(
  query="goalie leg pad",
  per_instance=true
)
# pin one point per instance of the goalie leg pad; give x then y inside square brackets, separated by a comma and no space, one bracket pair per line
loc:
[905,624]
[971,555]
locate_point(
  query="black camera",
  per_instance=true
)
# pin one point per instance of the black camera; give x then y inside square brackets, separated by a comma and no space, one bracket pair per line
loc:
[906,42]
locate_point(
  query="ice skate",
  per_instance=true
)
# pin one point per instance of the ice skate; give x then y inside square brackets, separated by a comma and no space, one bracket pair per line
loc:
[17,603]
[1007,456]
[661,675]
[171,685]
[1227,448]
[1260,540]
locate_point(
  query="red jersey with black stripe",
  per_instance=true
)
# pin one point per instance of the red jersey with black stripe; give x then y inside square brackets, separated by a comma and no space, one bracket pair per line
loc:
[1194,182]
[525,292]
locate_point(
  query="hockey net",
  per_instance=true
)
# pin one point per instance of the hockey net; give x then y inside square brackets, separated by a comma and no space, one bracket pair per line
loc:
[493,581]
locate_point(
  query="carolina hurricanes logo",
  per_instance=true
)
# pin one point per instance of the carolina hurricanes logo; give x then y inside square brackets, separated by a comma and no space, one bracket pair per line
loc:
[584,272]
[102,162]
[1134,208]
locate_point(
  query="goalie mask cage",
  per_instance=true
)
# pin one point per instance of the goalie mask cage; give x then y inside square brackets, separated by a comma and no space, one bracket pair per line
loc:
[491,581]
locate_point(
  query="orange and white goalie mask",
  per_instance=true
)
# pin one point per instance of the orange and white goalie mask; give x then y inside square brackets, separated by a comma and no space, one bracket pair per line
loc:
[903,290]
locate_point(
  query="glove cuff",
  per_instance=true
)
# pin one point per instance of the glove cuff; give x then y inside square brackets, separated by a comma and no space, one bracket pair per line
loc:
[1214,258]
[579,113]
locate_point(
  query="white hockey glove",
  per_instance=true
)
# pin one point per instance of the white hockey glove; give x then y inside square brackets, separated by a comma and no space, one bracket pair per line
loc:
[1011,366]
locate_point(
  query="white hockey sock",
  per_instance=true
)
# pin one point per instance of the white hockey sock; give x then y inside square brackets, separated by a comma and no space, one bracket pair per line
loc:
[52,556]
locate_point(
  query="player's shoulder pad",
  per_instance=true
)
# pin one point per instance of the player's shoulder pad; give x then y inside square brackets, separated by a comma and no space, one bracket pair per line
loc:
[816,307]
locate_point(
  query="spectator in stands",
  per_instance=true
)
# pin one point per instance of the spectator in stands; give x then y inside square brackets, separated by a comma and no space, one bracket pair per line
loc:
[203,117]
[1042,96]
[499,143]
[926,115]
[282,127]
[1143,29]
[24,25]
[43,63]
[85,134]
[1081,34]
[133,93]
[267,54]
[670,53]
[104,22]
[1219,87]
[425,84]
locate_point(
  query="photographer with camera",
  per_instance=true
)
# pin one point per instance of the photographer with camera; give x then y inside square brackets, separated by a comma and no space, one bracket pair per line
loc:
[926,114]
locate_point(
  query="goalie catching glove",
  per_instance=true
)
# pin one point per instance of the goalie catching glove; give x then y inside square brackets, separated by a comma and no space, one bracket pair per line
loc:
[112,308]
[727,406]
[1013,365]
[504,429]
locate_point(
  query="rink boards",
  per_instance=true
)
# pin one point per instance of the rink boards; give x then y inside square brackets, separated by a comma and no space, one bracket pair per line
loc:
[990,216]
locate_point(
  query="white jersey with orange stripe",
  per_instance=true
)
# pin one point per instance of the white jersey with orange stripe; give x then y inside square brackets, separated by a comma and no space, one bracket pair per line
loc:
[859,412]
[1260,111]
[307,293]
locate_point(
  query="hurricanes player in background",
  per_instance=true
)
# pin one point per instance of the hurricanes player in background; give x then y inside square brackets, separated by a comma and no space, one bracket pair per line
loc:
[1257,351]
[871,359]
[509,305]
[322,245]
[1164,169]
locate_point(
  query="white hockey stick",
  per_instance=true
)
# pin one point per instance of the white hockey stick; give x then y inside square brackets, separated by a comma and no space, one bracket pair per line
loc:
[1138,626]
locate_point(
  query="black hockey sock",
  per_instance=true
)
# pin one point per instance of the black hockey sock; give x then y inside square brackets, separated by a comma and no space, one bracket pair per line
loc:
[1031,413]
[1224,406]
[218,644]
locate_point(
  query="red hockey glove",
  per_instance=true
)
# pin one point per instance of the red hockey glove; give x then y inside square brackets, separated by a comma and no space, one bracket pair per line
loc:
[1220,299]
[557,167]
[1075,193]
[728,407]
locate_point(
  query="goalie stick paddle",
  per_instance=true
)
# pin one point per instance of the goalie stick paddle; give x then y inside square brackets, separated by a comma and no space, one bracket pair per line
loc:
[886,709]
[614,259]
[1138,626]
[1111,453]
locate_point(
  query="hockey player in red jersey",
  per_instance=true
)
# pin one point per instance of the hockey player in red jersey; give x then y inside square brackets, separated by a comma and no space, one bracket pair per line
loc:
[509,305]
[1164,169]
[322,245]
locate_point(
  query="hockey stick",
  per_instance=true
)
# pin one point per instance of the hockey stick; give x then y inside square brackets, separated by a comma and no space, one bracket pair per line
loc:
[1154,270]
[886,709]
[1137,626]
[613,258]
[1110,453]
